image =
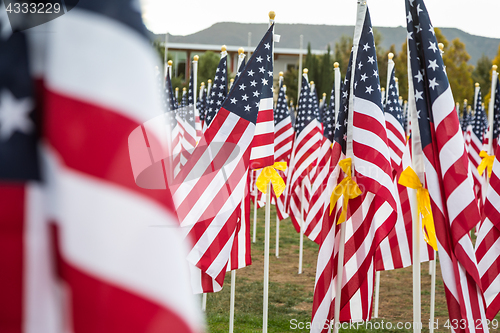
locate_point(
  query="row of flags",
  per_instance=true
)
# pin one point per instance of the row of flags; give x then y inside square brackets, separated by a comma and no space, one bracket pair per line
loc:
[367,140]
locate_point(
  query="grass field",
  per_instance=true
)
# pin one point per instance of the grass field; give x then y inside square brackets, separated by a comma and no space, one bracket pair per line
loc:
[291,294]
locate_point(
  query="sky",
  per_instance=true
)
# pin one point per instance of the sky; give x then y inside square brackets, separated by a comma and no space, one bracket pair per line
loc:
[477,17]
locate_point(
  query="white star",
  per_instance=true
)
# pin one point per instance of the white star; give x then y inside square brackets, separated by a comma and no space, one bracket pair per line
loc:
[411,2]
[371,60]
[433,83]
[270,73]
[375,73]
[419,10]
[419,76]
[364,77]
[366,47]
[408,35]
[251,73]
[262,70]
[360,65]
[418,95]
[371,31]
[432,64]
[369,90]
[14,115]
[247,108]
[433,47]
[256,93]
[244,97]
[431,29]
[242,86]
[233,100]
[253,83]
[337,125]
[409,18]
[264,82]
[418,114]
[267,46]
[259,59]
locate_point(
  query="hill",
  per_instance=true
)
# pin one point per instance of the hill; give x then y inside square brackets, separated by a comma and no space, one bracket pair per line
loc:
[320,36]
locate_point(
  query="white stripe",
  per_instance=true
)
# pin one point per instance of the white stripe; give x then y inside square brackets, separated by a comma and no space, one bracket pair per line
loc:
[262,151]
[42,309]
[460,198]
[84,37]
[443,106]
[266,127]
[451,152]
[119,236]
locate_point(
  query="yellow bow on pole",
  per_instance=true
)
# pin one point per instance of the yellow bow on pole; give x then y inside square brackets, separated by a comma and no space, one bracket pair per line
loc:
[410,179]
[347,187]
[269,174]
[486,162]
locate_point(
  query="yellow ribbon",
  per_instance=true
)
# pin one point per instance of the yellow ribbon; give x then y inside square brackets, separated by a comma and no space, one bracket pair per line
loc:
[269,174]
[487,162]
[347,187]
[410,179]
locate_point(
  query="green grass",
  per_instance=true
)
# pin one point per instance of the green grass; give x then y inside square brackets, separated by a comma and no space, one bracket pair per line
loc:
[291,294]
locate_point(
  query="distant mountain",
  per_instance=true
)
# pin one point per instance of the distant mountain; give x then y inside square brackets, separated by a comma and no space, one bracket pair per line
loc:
[320,36]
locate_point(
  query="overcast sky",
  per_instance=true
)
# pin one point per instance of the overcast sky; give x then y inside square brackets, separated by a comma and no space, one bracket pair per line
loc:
[477,17]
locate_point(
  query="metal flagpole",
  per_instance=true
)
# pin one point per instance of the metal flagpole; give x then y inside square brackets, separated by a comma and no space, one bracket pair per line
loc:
[302,224]
[204,302]
[231,301]
[494,76]
[433,294]
[277,217]
[165,58]
[255,209]
[267,225]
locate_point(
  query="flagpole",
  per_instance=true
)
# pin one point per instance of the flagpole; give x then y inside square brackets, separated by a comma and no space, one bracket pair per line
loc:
[433,294]
[340,274]
[491,105]
[204,302]
[267,225]
[277,217]
[231,301]
[301,46]
[254,239]
[301,237]
[241,56]
[418,166]
[165,58]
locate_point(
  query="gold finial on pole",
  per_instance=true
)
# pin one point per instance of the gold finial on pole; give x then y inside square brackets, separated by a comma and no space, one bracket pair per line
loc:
[324,95]
[390,55]
[305,70]
[396,79]
[241,50]
[183,89]
[176,88]
[465,101]
[209,81]
[195,58]
[202,84]
[281,73]
[311,83]
[336,65]
[284,86]
[494,67]
[383,89]
[231,81]
[477,84]
[272,15]
[170,62]
[223,48]
[441,46]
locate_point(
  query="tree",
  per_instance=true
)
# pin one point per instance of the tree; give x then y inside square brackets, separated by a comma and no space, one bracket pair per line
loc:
[482,75]
[290,79]
[343,52]
[325,81]
[401,68]
[207,65]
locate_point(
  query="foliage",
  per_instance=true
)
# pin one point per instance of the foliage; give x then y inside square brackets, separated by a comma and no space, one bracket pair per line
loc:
[401,67]
[207,65]
[290,79]
[482,75]
[342,52]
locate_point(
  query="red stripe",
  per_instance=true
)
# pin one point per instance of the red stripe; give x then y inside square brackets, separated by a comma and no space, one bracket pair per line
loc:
[265,115]
[12,200]
[92,140]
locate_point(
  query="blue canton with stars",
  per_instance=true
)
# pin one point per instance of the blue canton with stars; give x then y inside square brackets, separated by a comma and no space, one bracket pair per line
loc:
[201,104]
[255,81]
[465,120]
[19,132]
[218,92]
[340,134]
[366,78]
[329,117]
[392,105]
[315,103]
[427,67]
[305,113]
[479,122]
[281,111]
[170,102]
[496,112]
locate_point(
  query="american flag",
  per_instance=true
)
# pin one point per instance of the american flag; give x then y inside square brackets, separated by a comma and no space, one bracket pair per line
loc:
[202,102]
[496,120]
[477,135]
[320,199]
[395,251]
[84,255]
[283,142]
[373,214]
[175,147]
[447,175]
[211,185]
[326,269]
[218,91]
[488,244]
[304,154]
[187,121]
